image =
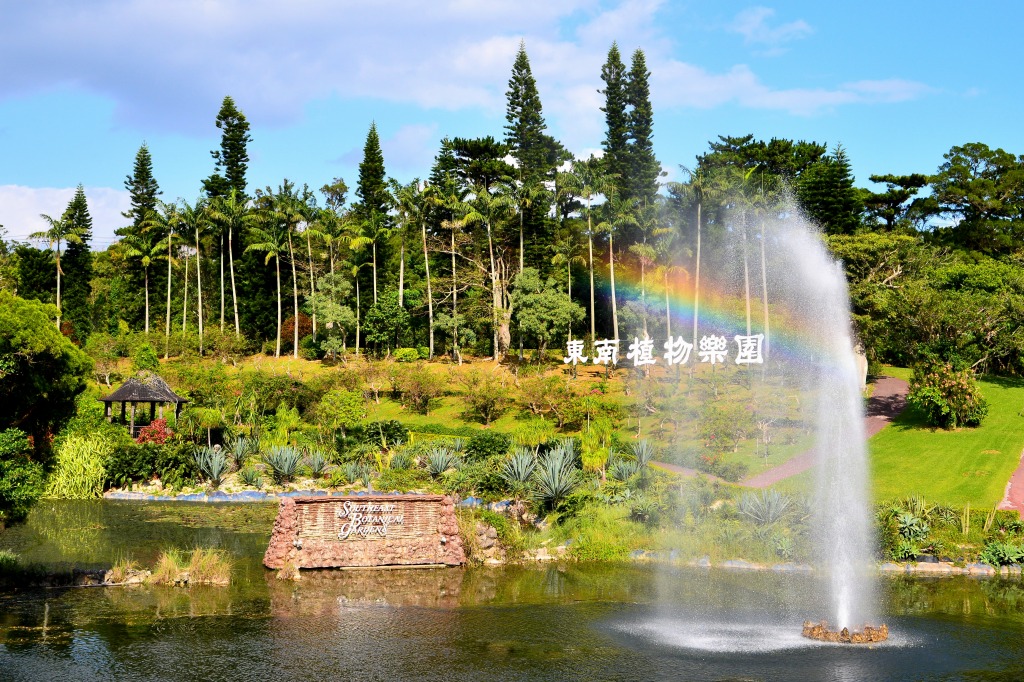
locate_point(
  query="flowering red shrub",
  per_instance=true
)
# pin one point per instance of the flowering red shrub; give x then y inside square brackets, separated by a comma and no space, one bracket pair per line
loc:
[157,432]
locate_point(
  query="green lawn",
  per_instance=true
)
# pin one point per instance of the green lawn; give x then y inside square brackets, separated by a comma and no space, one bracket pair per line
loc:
[954,467]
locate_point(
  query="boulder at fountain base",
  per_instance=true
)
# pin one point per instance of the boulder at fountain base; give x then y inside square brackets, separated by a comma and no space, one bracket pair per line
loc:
[868,635]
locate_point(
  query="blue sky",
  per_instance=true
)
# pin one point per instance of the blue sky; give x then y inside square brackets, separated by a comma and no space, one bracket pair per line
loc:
[84,84]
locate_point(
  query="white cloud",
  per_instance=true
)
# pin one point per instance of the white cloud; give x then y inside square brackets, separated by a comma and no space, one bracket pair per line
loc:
[275,57]
[20,208]
[753,25]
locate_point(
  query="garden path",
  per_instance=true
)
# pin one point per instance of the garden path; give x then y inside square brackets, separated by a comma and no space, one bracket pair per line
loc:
[1014,496]
[888,400]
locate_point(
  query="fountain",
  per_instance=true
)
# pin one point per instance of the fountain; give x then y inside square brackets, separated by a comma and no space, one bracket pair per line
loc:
[809,344]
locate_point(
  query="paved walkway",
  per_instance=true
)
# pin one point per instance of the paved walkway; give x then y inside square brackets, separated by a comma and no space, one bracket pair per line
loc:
[1013,498]
[888,400]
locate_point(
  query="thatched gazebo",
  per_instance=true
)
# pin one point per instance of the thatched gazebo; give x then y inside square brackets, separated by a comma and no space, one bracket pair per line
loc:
[145,387]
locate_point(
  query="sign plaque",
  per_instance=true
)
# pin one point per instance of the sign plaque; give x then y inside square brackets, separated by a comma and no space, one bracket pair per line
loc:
[365,531]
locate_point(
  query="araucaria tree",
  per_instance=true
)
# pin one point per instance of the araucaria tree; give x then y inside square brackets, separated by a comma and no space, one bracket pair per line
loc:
[77,265]
[231,161]
[371,212]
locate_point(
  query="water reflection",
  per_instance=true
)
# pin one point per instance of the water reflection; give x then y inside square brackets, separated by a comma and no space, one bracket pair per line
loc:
[547,622]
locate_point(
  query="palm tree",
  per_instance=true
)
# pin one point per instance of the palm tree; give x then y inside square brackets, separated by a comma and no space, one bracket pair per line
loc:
[409,201]
[376,229]
[230,213]
[568,250]
[60,230]
[524,195]
[147,248]
[355,277]
[619,212]
[701,187]
[195,219]
[485,208]
[272,241]
[165,220]
[588,180]
[289,208]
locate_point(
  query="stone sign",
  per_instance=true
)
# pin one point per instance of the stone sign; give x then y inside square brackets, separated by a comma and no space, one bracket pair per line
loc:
[368,530]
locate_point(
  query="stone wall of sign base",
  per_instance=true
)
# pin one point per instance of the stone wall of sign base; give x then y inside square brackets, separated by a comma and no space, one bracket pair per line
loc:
[307,534]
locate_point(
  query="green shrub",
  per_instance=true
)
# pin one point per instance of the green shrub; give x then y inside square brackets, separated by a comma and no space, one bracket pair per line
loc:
[310,348]
[440,459]
[250,476]
[283,462]
[423,352]
[402,480]
[510,535]
[948,398]
[407,355]
[764,508]
[145,358]
[998,553]
[176,466]
[486,445]
[420,387]
[556,478]
[130,462]
[79,471]
[21,479]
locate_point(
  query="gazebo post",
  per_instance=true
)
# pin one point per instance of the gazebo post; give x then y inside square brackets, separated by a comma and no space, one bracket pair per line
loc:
[161,410]
[106,411]
[132,430]
[152,412]
[177,411]
[124,406]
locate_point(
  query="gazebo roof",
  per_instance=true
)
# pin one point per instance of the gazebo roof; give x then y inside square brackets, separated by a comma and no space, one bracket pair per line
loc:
[146,387]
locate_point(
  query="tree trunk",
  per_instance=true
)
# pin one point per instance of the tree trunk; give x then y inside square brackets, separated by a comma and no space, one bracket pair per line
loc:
[199,292]
[145,272]
[455,313]
[668,309]
[375,272]
[590,249]
[696,287]
[521,247]
[430,298]
[222,284]
[58,288]
[295,298]
[357,314]
[401,273]
[234,292]
[277,264]
[764,290]
[495,300]
[568,291]
[167,327]
[746,273]
[312,284]
[184,301]
[611,270]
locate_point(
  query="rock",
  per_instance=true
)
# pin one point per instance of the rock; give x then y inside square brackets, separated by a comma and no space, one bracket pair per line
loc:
[492,532]
[703,562]
[980,569]
[889,567]
[738,563]
[485,542]
[636,554]
[83,577]
[868,635]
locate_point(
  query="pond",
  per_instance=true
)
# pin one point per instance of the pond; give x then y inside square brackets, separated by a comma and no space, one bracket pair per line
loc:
[548,622]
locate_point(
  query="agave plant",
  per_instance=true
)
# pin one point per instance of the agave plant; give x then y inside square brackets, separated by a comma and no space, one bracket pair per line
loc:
[239,452]
[764,508]
[355,472]
[623,469]
[400,461]
[213,463]
[520,467]
[317,462]
[283,462]
[643,451]
[556,477]
[440,460]
[251,476]
[458,445]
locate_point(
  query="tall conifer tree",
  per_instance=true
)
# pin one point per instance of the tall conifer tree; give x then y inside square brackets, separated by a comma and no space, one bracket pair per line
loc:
[231,161]
[77,267]
[143,191]
[643,167]
[616,141]
[372,187]
[524,133]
